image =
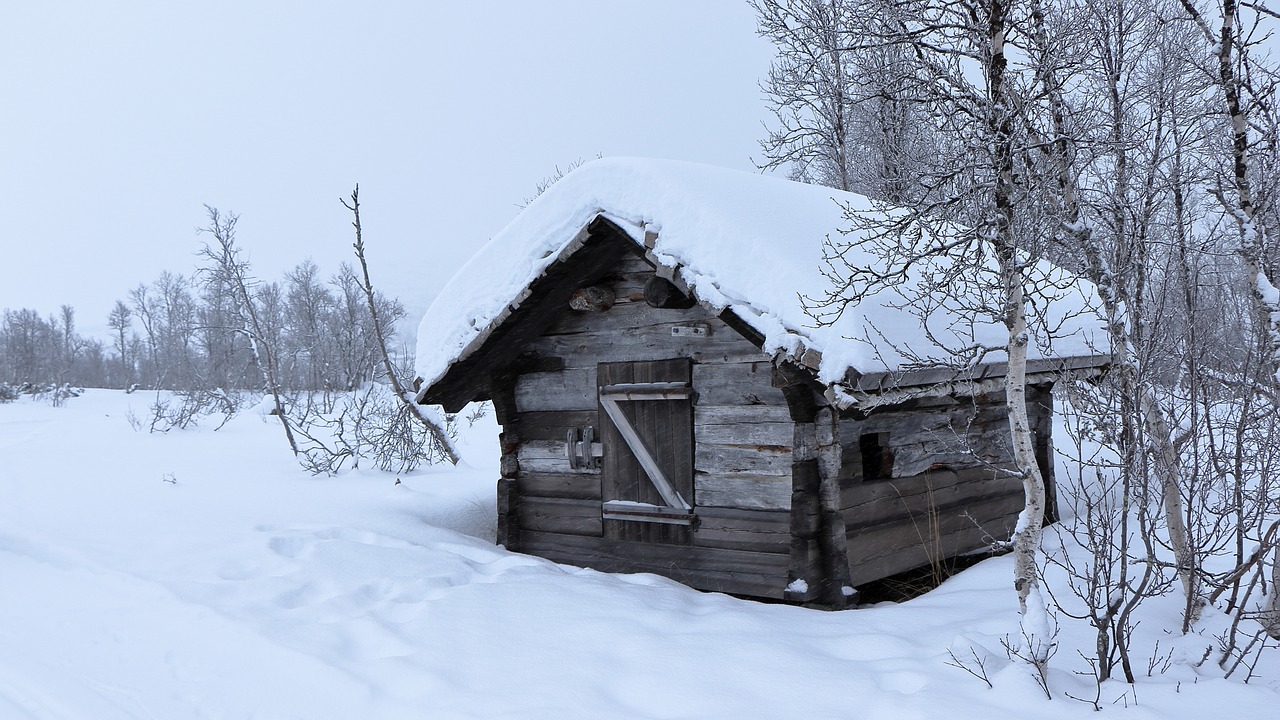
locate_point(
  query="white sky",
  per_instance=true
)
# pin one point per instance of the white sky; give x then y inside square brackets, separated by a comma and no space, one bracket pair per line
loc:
[121,120]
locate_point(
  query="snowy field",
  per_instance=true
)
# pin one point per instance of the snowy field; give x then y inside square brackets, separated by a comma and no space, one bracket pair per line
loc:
[202,574]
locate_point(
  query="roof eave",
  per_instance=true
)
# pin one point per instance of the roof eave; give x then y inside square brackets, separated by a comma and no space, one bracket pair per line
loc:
[866,392]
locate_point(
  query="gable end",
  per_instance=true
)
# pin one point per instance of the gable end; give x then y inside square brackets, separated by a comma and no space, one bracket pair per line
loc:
[473,377]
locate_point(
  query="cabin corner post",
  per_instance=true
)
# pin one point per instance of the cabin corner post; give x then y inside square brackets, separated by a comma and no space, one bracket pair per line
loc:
[833,538]
[508,491]
[819,567]
[806,580]
[508,530]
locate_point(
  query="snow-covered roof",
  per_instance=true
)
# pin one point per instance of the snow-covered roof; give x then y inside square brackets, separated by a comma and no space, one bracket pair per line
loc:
[748,243]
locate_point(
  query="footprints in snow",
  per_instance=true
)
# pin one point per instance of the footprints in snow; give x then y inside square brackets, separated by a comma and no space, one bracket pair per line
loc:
[289,547]
[335,573]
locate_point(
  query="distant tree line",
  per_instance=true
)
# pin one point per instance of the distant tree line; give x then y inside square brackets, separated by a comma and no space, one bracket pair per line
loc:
[185,332]
[319,349]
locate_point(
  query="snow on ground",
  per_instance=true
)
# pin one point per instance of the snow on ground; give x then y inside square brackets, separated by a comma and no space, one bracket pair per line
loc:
[202,574]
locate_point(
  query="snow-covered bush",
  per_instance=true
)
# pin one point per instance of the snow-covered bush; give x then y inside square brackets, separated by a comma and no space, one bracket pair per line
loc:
[53,393]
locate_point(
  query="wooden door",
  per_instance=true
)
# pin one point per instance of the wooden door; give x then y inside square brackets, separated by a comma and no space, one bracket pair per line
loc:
[646,417]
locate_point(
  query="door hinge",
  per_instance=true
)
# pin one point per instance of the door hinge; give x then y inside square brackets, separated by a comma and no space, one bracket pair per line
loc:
[582,450]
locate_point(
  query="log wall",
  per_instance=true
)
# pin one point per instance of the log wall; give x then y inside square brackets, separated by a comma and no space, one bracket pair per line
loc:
[743,438]
[775,489]
[947,492]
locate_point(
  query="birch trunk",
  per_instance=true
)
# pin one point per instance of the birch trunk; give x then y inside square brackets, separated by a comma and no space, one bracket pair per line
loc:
[1160,439]
[1026,537]
[1271,610]
[439,436]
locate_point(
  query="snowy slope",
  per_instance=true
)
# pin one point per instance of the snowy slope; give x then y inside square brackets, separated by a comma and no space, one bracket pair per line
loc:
[742,241]
[248,589]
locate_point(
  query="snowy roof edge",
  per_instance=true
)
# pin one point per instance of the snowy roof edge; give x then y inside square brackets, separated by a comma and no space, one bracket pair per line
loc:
[717,231]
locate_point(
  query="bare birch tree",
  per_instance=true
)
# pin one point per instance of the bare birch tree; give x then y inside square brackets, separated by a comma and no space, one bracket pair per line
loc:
[809,89]
[839,118]
[973,239]
[437,434]
[1233,32]
[229,270]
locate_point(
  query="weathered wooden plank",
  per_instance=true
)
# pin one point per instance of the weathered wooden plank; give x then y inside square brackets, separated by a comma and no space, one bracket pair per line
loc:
[570,389]
[1044,368]
[560,515]
[958,438]
[736,415]
[578,486]
[635,264]
[957,419]
[832,537]
[741,490]
[706,568]
[609,337]
[910,558]
[552,425]
[749,460]
[999,513]
[860,493]
[730,515]
[547,456]
[896,548]
[736,384]
[632,315]
[747,434]
[628,290]
[754,530]
[872,503]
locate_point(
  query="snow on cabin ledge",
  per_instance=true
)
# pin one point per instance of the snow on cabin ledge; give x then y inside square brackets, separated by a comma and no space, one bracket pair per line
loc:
[752,245]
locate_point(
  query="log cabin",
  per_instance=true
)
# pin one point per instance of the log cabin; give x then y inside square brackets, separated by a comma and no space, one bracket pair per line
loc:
[668,405]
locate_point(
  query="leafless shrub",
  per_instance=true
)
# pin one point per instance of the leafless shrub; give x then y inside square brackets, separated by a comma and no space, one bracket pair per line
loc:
[186,408]
[552,179]
[480,412]
[1034,650]
[368,423]
[1159,662]
[1108,558]
[975,664]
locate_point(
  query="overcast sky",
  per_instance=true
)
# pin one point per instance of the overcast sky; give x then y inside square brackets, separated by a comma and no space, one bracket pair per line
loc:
[121,120]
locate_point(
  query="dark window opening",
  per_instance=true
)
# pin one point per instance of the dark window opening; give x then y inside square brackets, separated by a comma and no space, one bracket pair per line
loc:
[877,458]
